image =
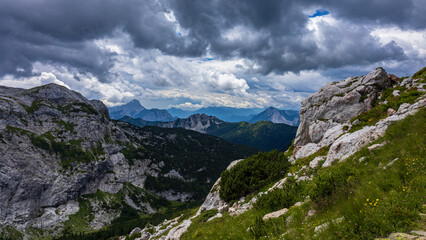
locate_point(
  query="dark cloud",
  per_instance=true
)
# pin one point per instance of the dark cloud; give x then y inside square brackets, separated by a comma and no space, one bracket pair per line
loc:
[272,34]
[405,14]
[276,34]
[62,32]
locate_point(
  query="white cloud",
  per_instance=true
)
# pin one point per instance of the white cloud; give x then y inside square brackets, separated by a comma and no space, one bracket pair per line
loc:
[228,83]
[187,106]
[413,42]
[30,82]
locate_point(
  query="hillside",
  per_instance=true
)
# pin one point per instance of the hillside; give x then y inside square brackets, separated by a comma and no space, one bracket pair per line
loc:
[357,171]
[67,168]
[261,135]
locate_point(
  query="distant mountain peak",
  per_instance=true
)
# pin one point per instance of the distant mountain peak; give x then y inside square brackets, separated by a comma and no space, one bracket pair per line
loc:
[271,109]
[275,115]
[135,104]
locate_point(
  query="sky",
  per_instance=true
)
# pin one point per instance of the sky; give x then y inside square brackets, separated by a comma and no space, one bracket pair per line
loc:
[191,53]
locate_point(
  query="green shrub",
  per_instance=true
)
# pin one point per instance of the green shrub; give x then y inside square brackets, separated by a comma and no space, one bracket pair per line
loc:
[252,174]
[40,142]
[78,107]
[134,236]
[286,197]
[266,229]
[332,180]
[35,105]
[67,125]
[131,153]
[258,229]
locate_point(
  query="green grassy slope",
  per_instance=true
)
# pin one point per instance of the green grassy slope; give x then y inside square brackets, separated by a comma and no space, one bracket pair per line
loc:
[358,200]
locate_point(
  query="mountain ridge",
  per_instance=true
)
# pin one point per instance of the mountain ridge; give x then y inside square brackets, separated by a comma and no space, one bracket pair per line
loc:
[135,109]
[261,135]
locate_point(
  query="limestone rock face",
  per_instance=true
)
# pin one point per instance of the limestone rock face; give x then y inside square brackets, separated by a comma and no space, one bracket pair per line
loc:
[56,146]
[31,177]
[336,103]
[350,143]
[325,115]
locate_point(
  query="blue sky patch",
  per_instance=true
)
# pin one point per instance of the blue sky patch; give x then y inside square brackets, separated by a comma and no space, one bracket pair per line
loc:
[319,13]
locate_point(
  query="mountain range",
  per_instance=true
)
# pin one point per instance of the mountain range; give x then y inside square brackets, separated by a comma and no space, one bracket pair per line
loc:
[135,110]
[262,135]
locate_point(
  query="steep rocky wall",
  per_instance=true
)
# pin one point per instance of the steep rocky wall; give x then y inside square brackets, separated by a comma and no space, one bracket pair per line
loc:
[326,115]
[337,103]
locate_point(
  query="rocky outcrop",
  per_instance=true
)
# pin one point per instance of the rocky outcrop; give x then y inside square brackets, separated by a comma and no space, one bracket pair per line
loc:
[336,103]
[326,115]
[350,143]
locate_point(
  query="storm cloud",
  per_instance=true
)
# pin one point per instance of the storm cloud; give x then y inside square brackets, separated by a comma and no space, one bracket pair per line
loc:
[156,44]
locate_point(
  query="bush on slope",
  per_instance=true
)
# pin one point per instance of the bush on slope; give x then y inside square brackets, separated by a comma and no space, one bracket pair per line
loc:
[251,174]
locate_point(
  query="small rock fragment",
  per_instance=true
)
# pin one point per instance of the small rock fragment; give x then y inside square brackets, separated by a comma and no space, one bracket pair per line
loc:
[311,212]
[275,214]
[391,111]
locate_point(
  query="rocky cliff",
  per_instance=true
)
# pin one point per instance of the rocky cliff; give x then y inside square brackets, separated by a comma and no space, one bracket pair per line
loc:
[338,102]
[345,116]
[57,147]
